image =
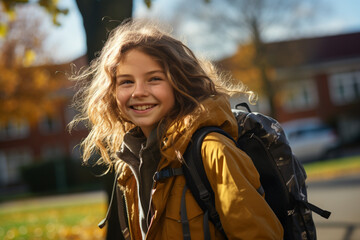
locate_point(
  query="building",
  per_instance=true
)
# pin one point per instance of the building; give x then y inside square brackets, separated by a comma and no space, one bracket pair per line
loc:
[22,143]
[317,77]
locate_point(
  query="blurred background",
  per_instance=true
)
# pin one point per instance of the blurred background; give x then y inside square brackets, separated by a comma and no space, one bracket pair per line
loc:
[302,58]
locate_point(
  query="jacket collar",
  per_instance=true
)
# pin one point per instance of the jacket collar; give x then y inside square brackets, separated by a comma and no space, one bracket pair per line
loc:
[134,143]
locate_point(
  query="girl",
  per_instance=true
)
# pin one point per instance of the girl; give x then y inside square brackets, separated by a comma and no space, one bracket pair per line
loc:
[147,95]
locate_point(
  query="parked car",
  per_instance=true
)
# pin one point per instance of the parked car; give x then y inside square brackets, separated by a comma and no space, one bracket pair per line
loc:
[310,138]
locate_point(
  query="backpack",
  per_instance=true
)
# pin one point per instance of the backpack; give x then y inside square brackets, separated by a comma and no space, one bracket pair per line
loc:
[282,176]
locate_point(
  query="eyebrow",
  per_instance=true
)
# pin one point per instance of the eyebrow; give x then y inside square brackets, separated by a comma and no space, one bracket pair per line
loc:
[148,73]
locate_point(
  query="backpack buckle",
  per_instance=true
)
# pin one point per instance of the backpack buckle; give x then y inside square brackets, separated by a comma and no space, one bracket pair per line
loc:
[204,195]
[167,173]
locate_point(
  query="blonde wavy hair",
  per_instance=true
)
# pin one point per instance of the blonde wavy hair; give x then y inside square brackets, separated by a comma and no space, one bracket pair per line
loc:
[192,79]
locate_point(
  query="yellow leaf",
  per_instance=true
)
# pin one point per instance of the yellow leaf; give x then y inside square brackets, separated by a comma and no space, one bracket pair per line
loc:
[41,79]
[29,57]
[12,14]
[3,30]
[148,3]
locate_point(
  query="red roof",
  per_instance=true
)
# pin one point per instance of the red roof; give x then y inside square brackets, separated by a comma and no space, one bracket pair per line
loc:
[314,50]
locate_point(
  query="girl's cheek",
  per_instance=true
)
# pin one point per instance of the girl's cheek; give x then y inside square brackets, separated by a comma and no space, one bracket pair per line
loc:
[120,103]
[120,93]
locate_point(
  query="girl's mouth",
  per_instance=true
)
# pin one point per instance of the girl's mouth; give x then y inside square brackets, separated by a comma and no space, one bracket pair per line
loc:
[143,107]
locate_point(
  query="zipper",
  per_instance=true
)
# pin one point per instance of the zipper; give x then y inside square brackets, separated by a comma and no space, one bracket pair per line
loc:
[148,220]
[127,216]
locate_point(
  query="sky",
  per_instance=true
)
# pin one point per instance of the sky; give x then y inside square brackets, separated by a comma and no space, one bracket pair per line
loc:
[69,39]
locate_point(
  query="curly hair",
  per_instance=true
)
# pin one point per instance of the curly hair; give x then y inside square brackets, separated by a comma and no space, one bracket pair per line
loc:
[192,79]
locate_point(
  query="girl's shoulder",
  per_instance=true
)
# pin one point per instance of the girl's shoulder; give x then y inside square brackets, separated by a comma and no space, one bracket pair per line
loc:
[218,146]
[218,140]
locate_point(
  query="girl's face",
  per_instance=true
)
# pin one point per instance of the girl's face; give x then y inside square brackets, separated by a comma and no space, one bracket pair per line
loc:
[143,92]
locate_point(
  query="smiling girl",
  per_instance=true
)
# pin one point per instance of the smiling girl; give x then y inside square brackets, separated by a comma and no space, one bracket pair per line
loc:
[143,92]
[146,94]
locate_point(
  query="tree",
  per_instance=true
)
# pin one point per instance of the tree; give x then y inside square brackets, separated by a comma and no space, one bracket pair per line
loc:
[26,91]
[242,67]
[23,44]
[246,22]
[51,6]
[100,17]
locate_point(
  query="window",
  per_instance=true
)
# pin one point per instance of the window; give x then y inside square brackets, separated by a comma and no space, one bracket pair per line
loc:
[11,162]
[75,151]
[14,130]
[50,125]
[51,152]
[345,87]
[300,96]
[3,169]
[70,113]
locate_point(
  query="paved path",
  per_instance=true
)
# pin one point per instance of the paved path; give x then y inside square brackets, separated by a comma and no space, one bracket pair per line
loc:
[341,197]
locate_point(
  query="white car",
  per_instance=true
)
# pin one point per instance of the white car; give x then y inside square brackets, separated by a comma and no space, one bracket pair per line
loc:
[310,138]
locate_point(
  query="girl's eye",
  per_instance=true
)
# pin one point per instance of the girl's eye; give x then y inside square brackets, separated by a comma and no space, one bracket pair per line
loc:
[125,82]
[155,79]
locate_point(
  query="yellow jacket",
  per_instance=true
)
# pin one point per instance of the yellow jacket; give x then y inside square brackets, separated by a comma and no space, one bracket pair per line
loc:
[244,213]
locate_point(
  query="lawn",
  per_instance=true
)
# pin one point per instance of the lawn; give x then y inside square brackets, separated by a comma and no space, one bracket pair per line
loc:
[54,218]
[325,170]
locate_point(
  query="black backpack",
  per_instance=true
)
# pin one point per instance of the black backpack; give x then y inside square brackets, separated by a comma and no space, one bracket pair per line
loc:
[282,176]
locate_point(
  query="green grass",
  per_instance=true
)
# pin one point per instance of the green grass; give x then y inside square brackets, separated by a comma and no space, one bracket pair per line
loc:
[52,220]
[333,168]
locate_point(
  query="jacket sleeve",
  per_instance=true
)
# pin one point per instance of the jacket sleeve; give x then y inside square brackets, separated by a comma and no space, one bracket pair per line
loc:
[244,213]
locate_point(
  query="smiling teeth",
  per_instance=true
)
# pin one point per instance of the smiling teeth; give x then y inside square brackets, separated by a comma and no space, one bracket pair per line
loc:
[143,107]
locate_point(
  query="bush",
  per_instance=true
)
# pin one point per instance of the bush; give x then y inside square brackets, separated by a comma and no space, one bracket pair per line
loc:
[58,175]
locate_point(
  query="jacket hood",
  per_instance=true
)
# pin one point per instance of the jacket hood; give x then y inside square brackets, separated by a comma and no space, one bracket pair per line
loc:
[213,111]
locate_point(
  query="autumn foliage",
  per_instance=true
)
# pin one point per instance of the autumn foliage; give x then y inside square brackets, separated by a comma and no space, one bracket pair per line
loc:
[243,68]
[28,93]
[51,6]
[29,85]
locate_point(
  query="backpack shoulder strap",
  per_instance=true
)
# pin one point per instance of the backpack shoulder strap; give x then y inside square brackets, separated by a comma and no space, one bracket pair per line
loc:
[195,175]
[117,200]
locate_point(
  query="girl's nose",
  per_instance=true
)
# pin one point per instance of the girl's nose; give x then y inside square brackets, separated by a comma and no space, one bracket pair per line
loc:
[140,90]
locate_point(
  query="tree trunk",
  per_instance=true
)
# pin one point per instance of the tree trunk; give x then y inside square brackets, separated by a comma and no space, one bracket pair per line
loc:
[99,18]
[261,63]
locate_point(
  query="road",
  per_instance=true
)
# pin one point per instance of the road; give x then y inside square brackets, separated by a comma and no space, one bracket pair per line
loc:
[342,198]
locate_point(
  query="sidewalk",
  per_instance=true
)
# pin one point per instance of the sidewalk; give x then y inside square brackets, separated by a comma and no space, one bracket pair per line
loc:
[339,194]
